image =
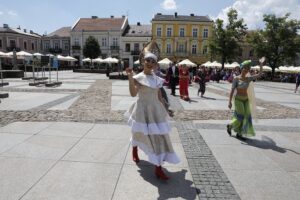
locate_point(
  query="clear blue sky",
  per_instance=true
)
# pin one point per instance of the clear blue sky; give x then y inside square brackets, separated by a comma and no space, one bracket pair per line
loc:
[49,15]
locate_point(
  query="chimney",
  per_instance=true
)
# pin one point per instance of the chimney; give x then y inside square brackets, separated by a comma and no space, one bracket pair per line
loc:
[31,32]
[111,16]
[94,17]
[138,23]
[19,27]
[192,15]
[25,31]
[158,13]
[123,16]
[5,26]
[175,14]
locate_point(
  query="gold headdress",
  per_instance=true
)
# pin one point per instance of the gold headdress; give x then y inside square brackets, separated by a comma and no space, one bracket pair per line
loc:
[151,50]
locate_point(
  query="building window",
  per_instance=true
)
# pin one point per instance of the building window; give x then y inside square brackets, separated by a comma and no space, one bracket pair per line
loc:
[0,43]
[169,49]
[158,32]
[194,49]
[181,32]
[204,50]
[32,46]
[195,32]
[12,43]
[66,46]
[115,42]
[127,47]
[136,46]
[76,42]
[56,45]
[169,32]
[205,33]
[25,45]
[181,48]
[46,46]
[104,43]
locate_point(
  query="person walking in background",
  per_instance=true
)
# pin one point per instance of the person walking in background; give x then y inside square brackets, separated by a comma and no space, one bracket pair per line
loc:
[244,101]
[148,117]
[158,73]
[297,82]
[184,82]
[173,75]
[202,81]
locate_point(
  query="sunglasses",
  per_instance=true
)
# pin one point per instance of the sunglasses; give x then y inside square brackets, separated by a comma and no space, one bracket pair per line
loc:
[150,60]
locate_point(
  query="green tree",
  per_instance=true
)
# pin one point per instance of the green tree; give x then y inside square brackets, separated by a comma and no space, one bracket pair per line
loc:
[91,48]
[278,42]
[226,40]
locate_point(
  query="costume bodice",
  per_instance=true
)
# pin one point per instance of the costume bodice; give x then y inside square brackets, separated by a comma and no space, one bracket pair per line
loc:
[241,84]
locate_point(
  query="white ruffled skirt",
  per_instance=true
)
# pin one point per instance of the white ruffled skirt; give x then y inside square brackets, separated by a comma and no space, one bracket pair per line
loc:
[150,131]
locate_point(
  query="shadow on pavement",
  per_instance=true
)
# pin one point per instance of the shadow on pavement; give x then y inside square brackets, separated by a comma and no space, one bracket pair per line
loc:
[210,98]
[267,143]
[176,187]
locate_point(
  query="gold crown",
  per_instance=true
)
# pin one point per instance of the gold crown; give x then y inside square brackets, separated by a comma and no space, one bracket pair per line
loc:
[149,47]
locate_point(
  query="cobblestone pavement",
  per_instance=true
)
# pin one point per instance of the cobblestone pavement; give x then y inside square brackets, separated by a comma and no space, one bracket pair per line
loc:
[94,105]
[209,178]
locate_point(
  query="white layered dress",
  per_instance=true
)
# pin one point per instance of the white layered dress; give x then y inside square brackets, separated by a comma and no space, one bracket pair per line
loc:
[149,122]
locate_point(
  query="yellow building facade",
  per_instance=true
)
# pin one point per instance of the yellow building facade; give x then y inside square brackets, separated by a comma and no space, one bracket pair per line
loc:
[180,37]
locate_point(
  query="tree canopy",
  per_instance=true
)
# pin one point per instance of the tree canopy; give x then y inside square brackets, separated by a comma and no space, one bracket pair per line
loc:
[279,42]
[91,48]
[226,40]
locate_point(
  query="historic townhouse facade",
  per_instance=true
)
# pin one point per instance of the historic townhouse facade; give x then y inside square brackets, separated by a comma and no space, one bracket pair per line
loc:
[107,31]
[57,42]
[133,42]
[18,39]
[183,36]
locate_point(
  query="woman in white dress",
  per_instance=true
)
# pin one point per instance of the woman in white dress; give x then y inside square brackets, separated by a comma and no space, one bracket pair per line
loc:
[148,116]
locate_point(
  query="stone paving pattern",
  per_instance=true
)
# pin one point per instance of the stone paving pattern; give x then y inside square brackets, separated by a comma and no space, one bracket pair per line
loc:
[94,106]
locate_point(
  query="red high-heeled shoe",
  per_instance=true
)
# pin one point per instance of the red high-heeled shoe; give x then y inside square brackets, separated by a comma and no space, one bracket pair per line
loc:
[160,174]
[135,156]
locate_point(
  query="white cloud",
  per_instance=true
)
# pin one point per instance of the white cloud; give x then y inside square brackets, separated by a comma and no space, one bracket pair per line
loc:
[1,13]
[252,11]
[169,5]
[12,13]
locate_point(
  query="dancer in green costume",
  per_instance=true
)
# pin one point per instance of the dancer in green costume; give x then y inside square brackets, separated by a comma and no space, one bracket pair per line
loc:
[244,101]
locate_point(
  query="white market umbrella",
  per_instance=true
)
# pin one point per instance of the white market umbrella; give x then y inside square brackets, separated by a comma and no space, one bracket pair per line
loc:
[37,54]
[97,60]
[110,60]
[206,64]
[22,54]
[62,58]
[3,55]
[137,62]
[86,60]
[215,64]
[165,63]
[50,55]
[187,62]
[71,59]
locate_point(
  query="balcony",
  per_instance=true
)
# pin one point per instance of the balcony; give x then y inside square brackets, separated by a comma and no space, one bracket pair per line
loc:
[12,48]
[76,47]
[137,52]
[115,48]
[55,50]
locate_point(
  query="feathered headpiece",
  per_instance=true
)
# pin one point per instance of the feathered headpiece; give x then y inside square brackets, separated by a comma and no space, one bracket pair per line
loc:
[151,50]
[246,63]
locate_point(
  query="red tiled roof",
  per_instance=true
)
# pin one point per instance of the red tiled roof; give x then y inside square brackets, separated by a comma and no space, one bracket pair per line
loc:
[62,32]
[99,24]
